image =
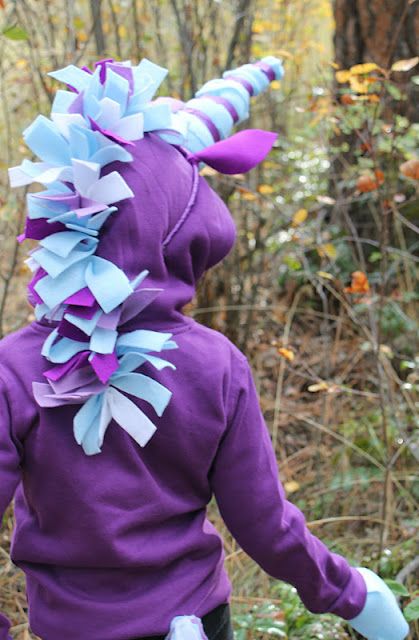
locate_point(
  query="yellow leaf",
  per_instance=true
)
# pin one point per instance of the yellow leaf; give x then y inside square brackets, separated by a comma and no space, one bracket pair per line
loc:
[291,486]
[405,65]
[343,76]
[358,85]
[334,65]
[275,84]
[22,63]
[288,354]
[265,189]
[258,27]
[328,250]
[319,386]
[122,31]
[249,196]
[325,274]
[361,69]
[371,97]
[299,217]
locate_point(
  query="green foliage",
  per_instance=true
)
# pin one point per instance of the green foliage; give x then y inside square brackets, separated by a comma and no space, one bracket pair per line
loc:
[15,32]
[411,611]
[289,619]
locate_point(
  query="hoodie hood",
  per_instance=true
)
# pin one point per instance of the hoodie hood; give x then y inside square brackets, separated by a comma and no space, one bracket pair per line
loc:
[126,227]
[165,188]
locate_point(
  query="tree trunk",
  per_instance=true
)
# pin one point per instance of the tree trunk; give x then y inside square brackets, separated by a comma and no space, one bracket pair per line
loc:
[380,31]
[95,9]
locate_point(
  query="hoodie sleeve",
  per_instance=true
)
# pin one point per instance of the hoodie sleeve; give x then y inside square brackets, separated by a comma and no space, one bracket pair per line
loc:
[9,473]
[270,529]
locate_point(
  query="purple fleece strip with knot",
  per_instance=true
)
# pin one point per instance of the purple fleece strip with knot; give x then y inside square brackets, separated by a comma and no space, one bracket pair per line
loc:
[245,83]
[226,104]
[267,70]
[207,121]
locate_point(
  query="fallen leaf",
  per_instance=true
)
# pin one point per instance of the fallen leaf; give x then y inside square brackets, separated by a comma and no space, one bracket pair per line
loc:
[410,169]
[370,182]
[299,217]
[325,274]
[371,97]
[325,200]
[327,250]
[318,386]
[288,354]
[347,99]
[250,197]
[405,65]
[291,486]
[359,283]
[265,189]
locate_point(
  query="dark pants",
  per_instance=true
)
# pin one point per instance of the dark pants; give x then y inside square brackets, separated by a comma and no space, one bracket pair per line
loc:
[217,625]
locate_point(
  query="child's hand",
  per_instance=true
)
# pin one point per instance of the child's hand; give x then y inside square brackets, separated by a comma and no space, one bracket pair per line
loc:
[381,618]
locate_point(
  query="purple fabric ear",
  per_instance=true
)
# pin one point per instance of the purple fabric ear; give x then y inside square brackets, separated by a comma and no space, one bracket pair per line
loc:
[238,153]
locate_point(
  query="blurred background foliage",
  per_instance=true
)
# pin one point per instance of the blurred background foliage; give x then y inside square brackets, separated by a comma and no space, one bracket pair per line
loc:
[320,291]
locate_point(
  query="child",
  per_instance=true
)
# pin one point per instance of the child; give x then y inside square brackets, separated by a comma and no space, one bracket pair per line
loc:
[110,500]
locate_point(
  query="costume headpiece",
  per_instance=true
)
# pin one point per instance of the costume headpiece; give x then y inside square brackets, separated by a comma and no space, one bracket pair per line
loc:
[87,298]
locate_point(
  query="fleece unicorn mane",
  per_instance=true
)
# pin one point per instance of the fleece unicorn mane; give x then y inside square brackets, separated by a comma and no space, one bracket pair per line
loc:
[88,299]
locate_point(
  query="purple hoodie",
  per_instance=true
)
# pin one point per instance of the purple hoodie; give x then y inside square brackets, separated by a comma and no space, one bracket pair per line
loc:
[115,545]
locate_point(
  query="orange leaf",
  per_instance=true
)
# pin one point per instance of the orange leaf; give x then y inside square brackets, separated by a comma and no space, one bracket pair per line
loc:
[346,98]
[359,283]
[379,176]
[265,189]
[368,182]
[410,169]
[286,353]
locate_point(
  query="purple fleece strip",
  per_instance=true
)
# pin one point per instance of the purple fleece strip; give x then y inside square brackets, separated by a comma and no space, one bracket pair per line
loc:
[59,370]
[39,228]
[68,330]
[267,70]
[226,104]
[207,121]
[241,81]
